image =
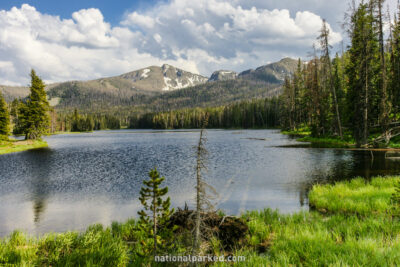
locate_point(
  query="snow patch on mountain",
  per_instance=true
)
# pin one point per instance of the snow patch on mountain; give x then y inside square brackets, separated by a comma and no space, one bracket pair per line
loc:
[145,74]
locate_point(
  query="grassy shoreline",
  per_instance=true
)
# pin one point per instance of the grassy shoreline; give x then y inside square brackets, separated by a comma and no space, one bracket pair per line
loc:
[304,135]
[13,146]
[352,224]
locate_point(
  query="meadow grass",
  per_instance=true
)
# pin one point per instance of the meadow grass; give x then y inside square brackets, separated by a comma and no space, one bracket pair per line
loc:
[304,135]
[334,142]
[298,132]
[12,146]
[355,228]
[357,196]
[313,239]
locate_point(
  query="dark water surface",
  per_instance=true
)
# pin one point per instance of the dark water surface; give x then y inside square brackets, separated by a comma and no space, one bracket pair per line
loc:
[96,178]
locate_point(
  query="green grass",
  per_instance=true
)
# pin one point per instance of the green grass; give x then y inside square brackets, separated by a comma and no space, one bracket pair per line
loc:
[312,239]
[302,131]
[334,142]
[95,247]
[354,197]
[304,135]
[351,225]
[12,146]
[339,236]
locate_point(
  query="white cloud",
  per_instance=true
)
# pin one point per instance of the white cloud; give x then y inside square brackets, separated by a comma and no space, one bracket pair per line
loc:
[134,19]
[225,31]
[201,35]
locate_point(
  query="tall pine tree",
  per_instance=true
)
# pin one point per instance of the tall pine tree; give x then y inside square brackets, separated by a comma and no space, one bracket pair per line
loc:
[327,73]
[35,113]
[361,70]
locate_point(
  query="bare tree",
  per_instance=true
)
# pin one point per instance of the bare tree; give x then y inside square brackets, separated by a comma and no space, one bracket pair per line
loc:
[203,198]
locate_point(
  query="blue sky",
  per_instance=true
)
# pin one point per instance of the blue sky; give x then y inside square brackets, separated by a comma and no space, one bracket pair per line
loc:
[88,39]
[113,11]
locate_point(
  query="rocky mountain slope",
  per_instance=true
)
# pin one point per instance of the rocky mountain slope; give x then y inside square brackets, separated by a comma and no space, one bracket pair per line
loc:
[223,75]
[164,78]
[272,73]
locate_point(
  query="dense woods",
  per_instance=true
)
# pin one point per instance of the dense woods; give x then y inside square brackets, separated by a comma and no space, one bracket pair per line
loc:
[357,91]
[258,113]
[76,122]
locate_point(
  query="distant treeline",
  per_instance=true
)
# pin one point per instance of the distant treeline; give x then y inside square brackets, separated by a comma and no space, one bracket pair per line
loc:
[259,113]
[85,123]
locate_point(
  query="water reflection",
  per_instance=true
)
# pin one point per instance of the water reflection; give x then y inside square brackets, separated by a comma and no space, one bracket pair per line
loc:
[40,180]
[96,178]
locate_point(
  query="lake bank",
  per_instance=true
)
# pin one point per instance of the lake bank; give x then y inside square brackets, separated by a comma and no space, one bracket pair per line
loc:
[354,225]
[12,146]
[304,135]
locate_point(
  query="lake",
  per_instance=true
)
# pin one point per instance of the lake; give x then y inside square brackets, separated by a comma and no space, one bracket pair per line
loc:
[89,178]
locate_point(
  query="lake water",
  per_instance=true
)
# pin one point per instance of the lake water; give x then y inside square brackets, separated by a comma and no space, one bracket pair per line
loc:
[83,179]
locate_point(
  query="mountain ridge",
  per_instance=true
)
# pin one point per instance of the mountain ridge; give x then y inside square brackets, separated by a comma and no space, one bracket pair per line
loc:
[137,88]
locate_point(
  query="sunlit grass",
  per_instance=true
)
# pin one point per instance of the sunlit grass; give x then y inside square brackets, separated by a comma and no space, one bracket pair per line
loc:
[354,197]
[13,146]
[328,141]
[313,239]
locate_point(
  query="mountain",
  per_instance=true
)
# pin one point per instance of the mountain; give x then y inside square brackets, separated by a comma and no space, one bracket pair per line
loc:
[164,78]
[223,75]
[165,87]
[12,92]
[273,73]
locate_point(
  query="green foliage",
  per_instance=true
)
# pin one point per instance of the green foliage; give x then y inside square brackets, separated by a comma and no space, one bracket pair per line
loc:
[356,90]
[17,117]
[88,122]
[4,119]
[362,71]
[154,218]
[80,124]
[34,114]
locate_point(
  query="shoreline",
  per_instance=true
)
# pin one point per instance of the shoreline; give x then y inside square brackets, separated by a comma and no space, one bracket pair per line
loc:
[14,146]
[339,223]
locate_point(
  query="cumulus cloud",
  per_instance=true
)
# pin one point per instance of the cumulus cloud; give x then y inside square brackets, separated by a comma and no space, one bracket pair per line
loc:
[223,31]
[199,36]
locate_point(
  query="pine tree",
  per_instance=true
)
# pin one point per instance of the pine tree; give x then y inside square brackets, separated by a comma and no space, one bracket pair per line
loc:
[395,64]
[327,73]
[384,105]
[156,212]
[36,119]
[361,71]
[4,119]
[289,100]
